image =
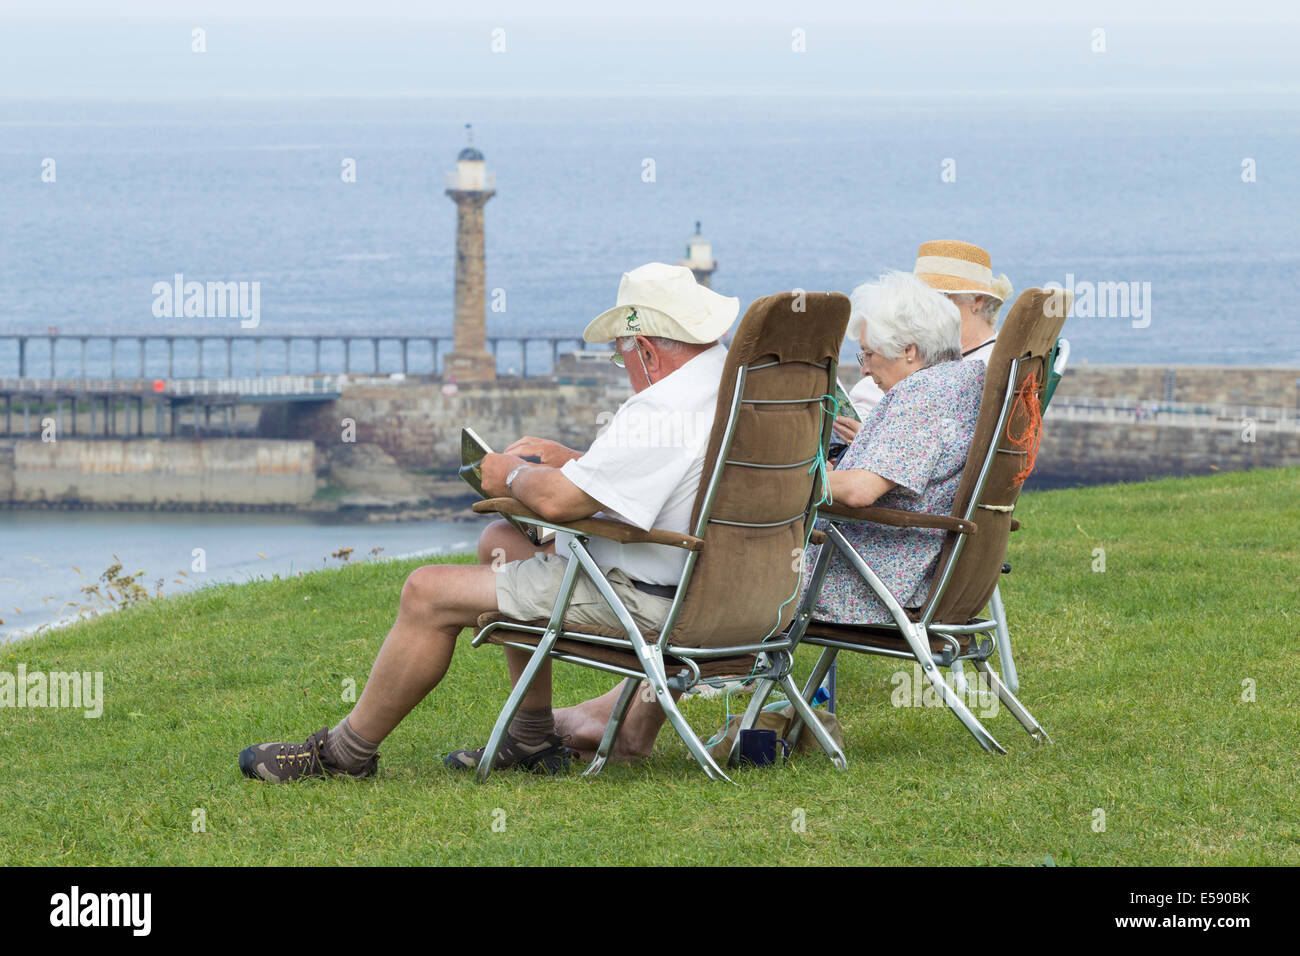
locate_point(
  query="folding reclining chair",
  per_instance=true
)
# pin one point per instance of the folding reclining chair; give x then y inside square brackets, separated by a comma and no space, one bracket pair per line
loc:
[945,631]
[1058,359]
[763,477]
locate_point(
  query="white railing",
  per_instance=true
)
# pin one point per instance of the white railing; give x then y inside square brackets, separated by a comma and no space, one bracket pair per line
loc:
[270,385]
[129,386]
[1179,414]
[181,387]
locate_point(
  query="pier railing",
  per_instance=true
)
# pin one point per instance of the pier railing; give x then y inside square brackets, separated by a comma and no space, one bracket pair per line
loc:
[65,386]
[274,386]
[1179,414]
[169,355]
[118,408]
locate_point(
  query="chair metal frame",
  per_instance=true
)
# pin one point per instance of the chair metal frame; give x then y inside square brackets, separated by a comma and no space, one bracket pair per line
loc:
[997,610]
[918,633]
[778,648]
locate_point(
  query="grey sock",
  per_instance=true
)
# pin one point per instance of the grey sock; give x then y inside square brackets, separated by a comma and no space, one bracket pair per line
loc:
[532,727]
[346,749]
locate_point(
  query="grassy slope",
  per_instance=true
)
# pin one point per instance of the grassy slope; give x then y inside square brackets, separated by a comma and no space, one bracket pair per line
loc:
[1136,673]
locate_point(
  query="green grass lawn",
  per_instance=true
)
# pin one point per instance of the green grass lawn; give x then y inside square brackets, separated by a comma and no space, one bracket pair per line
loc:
[1138,673]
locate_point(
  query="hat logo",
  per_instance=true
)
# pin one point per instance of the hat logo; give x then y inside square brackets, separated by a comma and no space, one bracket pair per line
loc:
[632,324]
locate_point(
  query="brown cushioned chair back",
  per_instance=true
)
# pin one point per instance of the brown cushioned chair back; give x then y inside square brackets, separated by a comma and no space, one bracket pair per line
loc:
[1029,332]
[743,574]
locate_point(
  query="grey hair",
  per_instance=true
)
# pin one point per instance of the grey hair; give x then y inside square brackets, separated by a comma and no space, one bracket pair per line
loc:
[985,306]
[901,310]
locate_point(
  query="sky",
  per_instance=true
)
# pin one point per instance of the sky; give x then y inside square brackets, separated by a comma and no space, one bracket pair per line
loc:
[143,49]
[929,11]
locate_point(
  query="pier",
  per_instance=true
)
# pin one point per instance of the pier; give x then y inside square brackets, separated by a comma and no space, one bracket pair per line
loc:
[30,404]
[167,355]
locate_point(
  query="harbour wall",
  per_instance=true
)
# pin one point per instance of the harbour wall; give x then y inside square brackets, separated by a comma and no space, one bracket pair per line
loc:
[154,474]
[1212,385]
[1092,452]
[420,427]
[384,430]
[1088,451]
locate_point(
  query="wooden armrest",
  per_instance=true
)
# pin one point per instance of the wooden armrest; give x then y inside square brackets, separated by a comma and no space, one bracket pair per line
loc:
[618,531]
[817,537]
[897,518]
[1015,525]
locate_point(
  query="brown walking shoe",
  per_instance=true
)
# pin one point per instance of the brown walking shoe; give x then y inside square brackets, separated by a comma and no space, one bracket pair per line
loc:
[284,762]
[552,757]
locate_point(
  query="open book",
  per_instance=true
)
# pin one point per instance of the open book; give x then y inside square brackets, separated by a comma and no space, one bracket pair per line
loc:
[846,406]
[837,447]
[472,451]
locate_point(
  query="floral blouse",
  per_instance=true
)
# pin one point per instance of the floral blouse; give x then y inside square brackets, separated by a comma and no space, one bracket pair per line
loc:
[917,437]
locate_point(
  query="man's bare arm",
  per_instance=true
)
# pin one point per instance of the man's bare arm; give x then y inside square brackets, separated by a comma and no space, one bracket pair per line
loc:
[544,490]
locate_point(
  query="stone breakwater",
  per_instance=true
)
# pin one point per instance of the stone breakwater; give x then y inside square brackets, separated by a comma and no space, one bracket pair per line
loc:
[420,427]
[1097,452]
[1128,423]
[157,475]
[390,449]
[1204,384]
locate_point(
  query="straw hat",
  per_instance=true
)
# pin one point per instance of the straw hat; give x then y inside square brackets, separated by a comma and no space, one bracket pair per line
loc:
[955,267]
[664,300]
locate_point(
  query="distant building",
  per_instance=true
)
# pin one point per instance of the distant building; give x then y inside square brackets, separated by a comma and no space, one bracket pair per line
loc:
[585,367]
[699,258]
[470,187]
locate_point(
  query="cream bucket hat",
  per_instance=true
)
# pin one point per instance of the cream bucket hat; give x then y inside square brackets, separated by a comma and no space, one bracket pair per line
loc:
[664,300]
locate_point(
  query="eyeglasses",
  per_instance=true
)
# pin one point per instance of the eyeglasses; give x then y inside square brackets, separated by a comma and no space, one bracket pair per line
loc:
[863,356]
[618,359]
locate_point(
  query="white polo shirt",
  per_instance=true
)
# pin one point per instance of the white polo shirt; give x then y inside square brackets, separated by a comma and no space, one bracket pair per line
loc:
[645,467]
[866,395]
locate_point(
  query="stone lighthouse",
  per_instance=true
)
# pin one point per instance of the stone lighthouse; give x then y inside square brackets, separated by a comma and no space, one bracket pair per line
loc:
[699,257]
[470,187]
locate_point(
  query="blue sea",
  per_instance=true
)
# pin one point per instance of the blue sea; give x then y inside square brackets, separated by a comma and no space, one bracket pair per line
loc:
[807,191]
[795,191]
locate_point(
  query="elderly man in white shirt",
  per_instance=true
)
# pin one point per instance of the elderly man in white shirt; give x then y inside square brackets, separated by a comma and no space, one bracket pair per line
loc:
[644,469]
[962,272]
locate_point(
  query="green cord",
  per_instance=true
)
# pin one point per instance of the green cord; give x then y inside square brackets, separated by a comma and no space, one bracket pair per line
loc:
[818,467]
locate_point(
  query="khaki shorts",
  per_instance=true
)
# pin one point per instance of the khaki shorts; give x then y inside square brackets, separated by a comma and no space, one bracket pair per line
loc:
[526,591]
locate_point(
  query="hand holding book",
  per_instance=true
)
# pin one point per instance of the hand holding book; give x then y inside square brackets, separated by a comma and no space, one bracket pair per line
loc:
[543,451]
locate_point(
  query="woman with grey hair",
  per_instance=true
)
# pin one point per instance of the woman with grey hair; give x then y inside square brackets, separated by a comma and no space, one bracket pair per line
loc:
[962,272]
[911,449]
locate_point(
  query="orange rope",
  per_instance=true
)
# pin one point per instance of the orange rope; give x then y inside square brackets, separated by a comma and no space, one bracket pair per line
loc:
[1031,411]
